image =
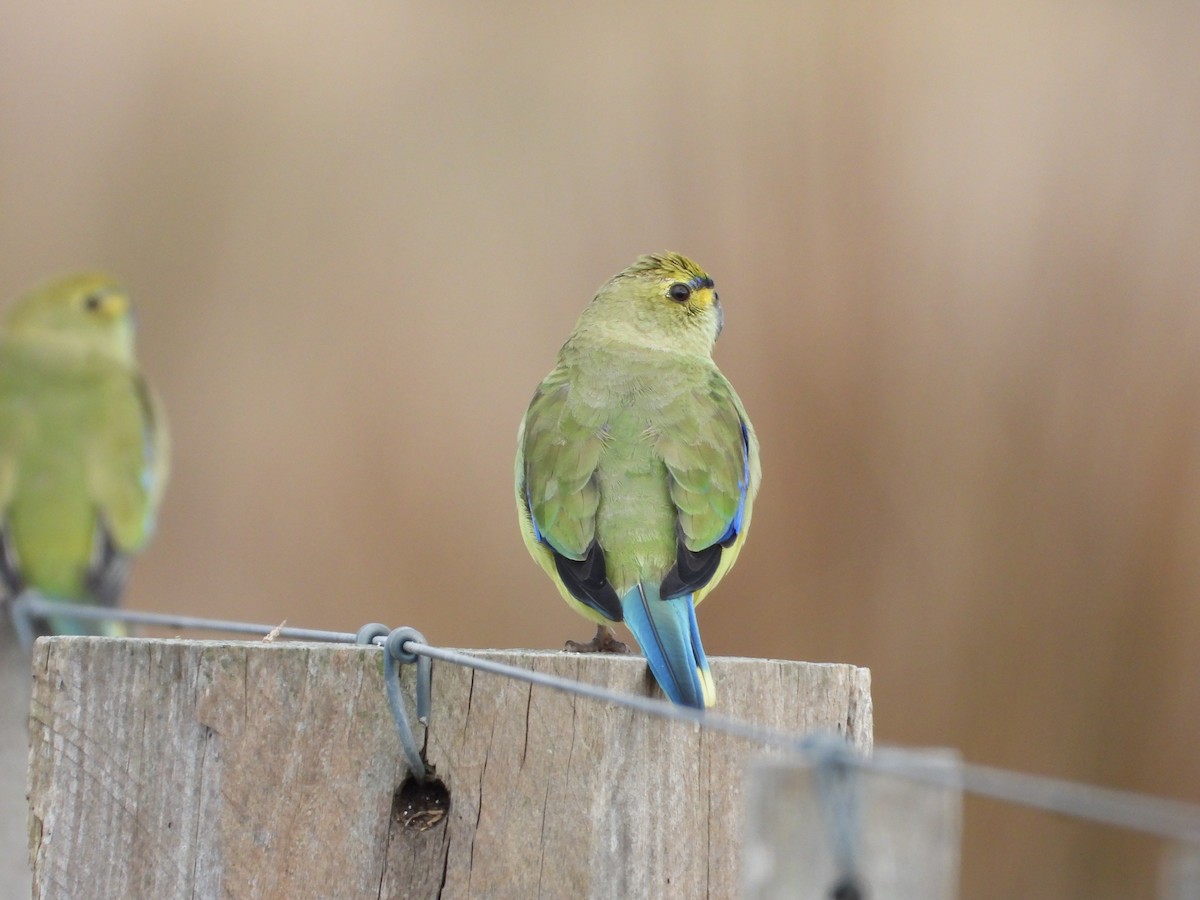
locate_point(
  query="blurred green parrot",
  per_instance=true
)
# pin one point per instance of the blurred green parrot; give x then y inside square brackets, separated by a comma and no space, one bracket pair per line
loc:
[637,468]
[83,447]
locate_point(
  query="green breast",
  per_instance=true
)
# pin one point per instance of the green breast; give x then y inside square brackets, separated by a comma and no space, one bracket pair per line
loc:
[46,413]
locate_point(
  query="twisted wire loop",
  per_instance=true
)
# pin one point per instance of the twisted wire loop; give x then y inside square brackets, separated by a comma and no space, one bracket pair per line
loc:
[368,634]
[397,645]
[394,653]
[1175,820]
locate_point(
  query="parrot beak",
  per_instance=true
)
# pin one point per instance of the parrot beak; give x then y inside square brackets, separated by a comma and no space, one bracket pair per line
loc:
[720,314]
[114,306]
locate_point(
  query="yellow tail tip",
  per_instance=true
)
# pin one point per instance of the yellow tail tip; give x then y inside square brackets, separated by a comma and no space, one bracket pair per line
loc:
[707,688]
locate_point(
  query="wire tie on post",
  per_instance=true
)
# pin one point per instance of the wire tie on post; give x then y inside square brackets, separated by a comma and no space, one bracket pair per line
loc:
[395,644]
[394,654]
[368,633]
[837,790]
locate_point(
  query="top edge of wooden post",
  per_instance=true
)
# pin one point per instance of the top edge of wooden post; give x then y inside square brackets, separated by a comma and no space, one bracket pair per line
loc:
[490,652]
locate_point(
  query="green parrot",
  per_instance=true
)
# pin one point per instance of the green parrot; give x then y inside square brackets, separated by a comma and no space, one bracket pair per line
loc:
[637,468]
[83,447]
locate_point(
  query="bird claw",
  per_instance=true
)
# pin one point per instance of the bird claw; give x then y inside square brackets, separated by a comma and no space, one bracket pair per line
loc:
[605,641]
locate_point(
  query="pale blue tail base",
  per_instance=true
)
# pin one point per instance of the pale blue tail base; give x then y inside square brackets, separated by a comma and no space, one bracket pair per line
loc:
[666,631]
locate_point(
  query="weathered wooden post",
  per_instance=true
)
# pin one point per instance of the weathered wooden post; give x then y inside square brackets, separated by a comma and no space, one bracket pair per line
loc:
[14,755]
[809,826]
[1179,875]
[166,768]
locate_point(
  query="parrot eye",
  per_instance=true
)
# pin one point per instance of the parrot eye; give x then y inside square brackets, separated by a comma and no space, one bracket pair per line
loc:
[679,292]
[92,302]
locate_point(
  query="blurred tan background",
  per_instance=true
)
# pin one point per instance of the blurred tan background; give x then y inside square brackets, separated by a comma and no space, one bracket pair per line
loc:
[959,251]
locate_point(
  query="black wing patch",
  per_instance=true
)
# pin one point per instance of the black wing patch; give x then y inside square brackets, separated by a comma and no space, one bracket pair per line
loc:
[10,570]
[587,580]
[108,568]
[693,569]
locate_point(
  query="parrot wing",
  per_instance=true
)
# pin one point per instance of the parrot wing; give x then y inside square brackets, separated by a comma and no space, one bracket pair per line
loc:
[561,442]
[16,421]
[710,453]
[126,473]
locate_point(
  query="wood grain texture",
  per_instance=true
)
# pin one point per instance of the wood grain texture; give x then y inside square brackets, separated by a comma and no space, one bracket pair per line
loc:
[225,769]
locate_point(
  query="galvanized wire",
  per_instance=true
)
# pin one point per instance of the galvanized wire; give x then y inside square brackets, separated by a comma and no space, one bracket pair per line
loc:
[36,606]
[1172,819]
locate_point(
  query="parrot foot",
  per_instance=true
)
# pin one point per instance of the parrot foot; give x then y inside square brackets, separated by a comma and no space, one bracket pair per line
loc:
[605,641]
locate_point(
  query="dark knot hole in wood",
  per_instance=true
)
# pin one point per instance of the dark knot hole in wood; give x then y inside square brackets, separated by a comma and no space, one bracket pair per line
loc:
[420,805]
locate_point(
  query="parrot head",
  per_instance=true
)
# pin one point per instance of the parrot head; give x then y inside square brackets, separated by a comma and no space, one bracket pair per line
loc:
[667,299]
[90,312]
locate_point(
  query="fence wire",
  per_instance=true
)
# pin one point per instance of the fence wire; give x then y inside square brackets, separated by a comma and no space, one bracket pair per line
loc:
[1174,820]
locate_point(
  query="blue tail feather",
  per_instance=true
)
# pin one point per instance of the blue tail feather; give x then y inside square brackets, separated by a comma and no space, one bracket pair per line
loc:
[667,632]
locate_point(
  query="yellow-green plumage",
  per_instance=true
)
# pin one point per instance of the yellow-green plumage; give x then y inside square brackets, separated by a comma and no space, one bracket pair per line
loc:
[637,465]
[83,444]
